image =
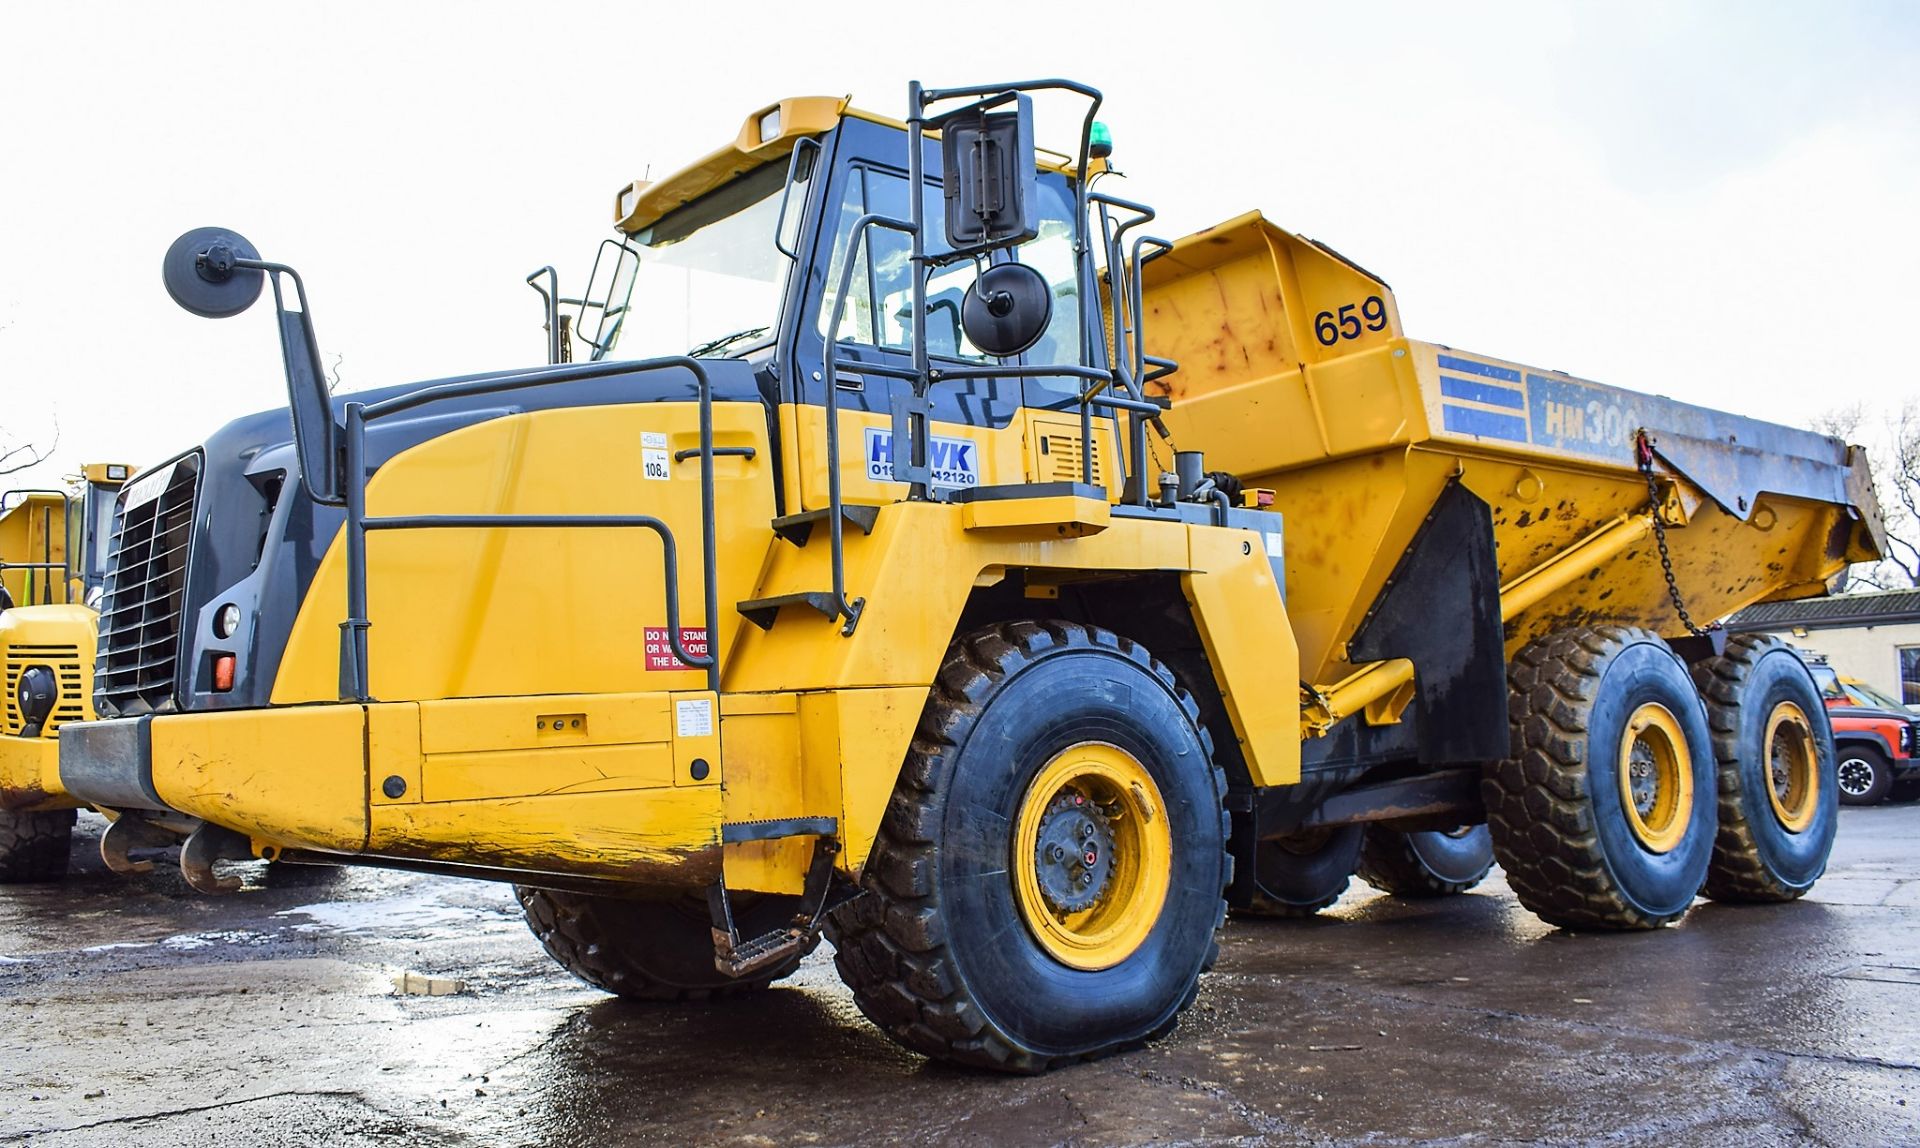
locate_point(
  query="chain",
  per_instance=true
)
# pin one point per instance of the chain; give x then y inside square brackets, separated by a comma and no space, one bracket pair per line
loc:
[1643,454]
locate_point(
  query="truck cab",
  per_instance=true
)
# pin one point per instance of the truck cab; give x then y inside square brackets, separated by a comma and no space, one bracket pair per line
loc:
[53,560]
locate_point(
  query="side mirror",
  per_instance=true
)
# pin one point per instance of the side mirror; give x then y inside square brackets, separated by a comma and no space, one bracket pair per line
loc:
[988,161]
[200,274]
[1007,309]
[204,273]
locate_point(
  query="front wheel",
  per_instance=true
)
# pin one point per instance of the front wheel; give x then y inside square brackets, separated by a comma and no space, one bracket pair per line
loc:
[642,950]
[1047,882]
[35,847]
[1864,775]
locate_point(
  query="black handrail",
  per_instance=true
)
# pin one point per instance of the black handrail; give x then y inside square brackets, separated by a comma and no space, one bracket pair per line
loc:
[354,674]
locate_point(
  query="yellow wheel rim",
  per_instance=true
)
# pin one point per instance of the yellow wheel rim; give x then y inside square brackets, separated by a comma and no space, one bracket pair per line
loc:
[1792,767]
[1656,778]
[1092,856]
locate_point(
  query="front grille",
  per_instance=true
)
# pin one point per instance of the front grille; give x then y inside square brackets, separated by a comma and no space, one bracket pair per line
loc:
[146,591]
[68,706]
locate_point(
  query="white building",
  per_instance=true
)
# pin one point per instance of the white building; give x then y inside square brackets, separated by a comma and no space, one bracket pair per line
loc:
[1873,637]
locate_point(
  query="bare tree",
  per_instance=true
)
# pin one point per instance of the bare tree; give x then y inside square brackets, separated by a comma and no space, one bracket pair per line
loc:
[23,455]
[1892,442]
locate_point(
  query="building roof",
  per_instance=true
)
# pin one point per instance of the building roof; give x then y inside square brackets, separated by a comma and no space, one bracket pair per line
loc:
[1880,608]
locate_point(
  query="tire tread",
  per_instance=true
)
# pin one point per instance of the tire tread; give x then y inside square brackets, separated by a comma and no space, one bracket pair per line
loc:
[35,847]
[890,943]
[1538,809]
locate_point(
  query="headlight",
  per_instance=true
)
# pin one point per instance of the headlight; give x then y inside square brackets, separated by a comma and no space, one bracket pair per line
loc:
[226,623]
[35,694]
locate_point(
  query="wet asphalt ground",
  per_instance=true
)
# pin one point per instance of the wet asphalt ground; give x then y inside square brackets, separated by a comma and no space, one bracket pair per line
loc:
[139,1013]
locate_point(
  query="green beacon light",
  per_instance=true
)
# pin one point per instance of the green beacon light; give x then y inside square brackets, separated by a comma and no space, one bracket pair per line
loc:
[1100,141]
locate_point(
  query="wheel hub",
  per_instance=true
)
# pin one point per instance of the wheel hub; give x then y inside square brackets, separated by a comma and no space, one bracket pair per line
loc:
[1792,768]
[1656,778]
[1642,780]
[1092,856]
[1073,857]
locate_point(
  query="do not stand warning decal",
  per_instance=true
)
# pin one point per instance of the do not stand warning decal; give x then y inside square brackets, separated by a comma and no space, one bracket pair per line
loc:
[660,654]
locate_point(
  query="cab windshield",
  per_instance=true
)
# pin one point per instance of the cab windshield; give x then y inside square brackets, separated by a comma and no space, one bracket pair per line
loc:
[710,275]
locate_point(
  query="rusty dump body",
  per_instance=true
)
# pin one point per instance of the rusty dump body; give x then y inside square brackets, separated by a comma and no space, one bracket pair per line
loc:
[1444,508]
[1294,376]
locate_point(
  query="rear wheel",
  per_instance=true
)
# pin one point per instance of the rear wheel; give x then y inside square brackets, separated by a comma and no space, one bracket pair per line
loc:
[1778,794]
[1047,881]
[1426,863]
[1603,817]
[1864,775]
[35,847]
[644,950]
[1302,873]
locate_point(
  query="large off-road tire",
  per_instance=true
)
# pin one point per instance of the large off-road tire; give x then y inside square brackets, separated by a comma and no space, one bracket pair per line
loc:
[35,847]
[643,950]
[977,940]
[1864,775]
[1604,815]
[1426,863]
[1778,794]
[1302,873]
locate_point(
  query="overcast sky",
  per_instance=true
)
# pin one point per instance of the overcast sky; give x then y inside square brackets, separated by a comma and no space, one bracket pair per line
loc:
[1714,201]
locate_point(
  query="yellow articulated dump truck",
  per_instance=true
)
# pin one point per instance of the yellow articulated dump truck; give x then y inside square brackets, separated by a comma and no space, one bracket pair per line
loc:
[958,571]
[53,549]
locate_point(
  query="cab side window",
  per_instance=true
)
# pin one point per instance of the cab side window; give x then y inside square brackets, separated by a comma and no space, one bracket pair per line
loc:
[879,307]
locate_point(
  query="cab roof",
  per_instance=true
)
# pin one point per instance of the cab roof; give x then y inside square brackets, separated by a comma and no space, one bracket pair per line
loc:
[765,136]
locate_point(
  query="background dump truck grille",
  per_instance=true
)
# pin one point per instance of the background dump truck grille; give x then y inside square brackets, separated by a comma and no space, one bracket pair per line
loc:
[65,663]
[1060,458]
[145,591]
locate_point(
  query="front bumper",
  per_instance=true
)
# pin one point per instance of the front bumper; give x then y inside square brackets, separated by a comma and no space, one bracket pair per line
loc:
[30,774]
[487,782]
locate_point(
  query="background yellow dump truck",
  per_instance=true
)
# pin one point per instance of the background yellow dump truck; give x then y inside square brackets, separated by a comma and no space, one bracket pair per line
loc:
[858,602]
[53,549]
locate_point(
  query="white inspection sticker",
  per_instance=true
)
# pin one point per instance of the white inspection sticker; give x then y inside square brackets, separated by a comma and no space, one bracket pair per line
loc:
[1275,546]
[693,718]
[654,463]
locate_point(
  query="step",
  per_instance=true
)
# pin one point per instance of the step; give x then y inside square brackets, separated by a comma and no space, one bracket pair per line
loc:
[796,528]
[762,611]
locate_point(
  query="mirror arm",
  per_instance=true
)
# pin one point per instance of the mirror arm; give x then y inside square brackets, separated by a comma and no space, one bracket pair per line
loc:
[786,193]
[317,435]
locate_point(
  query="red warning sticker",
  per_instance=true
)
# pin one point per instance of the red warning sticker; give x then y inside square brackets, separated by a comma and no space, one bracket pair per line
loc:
[660,651]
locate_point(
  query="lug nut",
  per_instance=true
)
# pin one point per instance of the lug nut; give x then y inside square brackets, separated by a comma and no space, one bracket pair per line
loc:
[1055,853]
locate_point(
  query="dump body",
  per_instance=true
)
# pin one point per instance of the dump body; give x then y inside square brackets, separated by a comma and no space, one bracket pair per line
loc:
[34,548]
[1358,430]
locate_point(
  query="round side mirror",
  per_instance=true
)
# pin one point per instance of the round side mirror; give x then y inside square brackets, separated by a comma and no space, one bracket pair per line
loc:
[1007,309]
[200,274]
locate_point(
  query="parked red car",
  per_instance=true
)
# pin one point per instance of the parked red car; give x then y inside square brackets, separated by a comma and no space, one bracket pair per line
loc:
[1874,736]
